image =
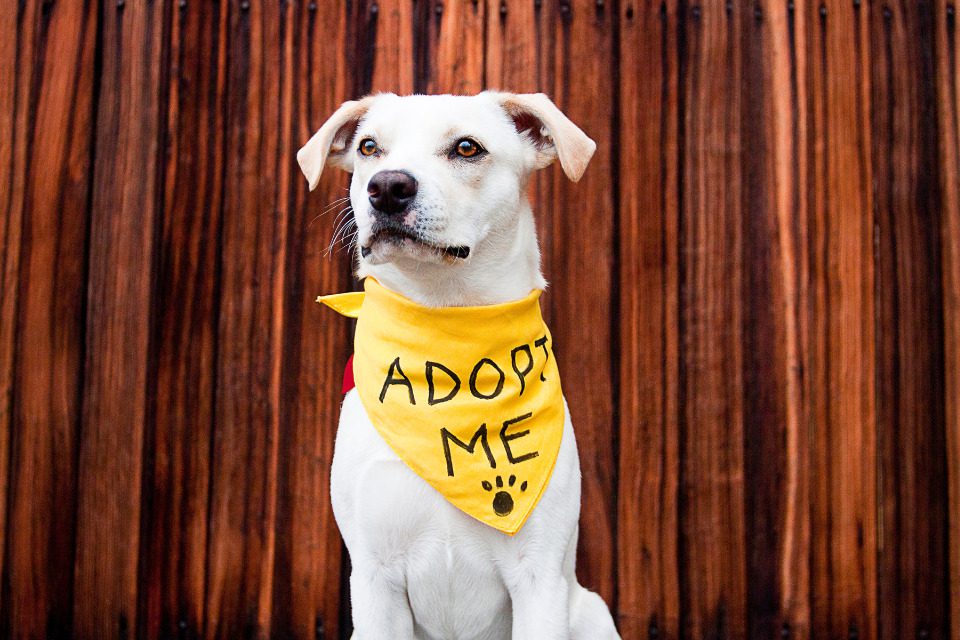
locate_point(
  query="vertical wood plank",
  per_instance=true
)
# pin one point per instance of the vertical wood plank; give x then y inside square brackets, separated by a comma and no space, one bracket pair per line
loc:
[54,127]
[581,294]
[841,356]
[177,474]
[948,127]
[913,506]
[12,149]
[241,548]
[456,34]
[796,570]
[383,46]
[647,154]
[514,45]
[125,195]
[712,536]
[393,54]
[776,458]
[307,597]
[14,116]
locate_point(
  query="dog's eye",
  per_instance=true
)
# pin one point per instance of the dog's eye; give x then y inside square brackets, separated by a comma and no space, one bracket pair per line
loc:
[467,148]
[368,147]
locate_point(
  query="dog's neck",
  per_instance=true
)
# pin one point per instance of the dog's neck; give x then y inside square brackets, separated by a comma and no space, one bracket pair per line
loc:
[504,266]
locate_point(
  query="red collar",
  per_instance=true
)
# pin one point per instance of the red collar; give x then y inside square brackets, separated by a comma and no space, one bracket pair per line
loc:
[348,377]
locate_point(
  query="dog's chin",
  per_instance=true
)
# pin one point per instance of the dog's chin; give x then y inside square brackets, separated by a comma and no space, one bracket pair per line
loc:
[386,247]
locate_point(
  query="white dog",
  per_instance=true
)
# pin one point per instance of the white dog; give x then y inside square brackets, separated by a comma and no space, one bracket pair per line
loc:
[439,199]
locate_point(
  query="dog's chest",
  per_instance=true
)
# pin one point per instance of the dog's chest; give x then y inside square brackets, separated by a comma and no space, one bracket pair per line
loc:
[455,592]
[446,561]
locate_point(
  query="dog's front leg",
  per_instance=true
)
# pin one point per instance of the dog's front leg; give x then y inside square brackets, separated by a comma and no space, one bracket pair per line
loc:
[540,605]
[380,605]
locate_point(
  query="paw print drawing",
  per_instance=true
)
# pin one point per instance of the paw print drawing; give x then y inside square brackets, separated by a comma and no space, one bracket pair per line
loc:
[502,500]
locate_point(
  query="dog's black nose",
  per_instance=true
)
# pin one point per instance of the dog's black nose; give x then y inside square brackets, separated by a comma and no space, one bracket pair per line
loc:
[392,191]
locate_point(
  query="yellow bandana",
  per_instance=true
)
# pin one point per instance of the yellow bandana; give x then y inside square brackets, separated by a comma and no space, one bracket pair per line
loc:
[468,397]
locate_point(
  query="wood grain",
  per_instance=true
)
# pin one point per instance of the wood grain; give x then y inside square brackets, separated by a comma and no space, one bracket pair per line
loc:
[776,462]
[393,56]
[774,251]
[455,49]
[307,598]
[947,62]
[56,108]
[184,341]
[14,118]
[841,346]
[514,45]
[647,509]
[252,319]
[124,209]
[11,166]
[711,378]
[581,247]
[913,464]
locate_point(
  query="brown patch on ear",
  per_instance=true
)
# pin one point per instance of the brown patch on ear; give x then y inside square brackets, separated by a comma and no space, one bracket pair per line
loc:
[530,126]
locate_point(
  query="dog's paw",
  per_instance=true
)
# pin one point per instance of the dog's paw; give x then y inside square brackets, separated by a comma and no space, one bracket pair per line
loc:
[502,500]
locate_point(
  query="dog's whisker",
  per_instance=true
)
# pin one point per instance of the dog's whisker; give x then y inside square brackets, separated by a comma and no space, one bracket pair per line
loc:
[347,224]
[333,242]
[336,201]
[342,217]
[348,228]
[348,210]
[341,232]
[346,247]
[329,207]
[349,240]
[333,203]
[342,237]
[333,237]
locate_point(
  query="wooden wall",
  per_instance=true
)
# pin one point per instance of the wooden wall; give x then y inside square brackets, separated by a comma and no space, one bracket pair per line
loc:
[755,299]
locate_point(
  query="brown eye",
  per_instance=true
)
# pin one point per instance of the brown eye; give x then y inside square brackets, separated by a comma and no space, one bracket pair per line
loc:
[467,148]
[368,147]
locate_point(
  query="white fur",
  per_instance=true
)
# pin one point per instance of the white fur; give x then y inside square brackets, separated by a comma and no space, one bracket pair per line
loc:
[422,568]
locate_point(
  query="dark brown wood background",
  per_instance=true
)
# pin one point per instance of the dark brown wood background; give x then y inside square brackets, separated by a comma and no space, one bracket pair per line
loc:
[755,299]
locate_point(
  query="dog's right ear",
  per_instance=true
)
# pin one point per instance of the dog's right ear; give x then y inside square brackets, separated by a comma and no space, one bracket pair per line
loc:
[329,144]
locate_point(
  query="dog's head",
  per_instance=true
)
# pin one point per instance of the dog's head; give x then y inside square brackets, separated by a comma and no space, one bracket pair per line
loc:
[434,176]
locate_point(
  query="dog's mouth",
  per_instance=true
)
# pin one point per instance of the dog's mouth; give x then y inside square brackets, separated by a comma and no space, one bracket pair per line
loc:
[401,237]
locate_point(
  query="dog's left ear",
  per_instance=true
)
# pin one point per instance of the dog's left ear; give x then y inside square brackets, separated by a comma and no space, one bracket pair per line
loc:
[552,133]
[329,144]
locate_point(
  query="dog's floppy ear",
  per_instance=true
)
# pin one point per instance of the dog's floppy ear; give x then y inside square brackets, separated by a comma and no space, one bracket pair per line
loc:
[329,144]
[551,132]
